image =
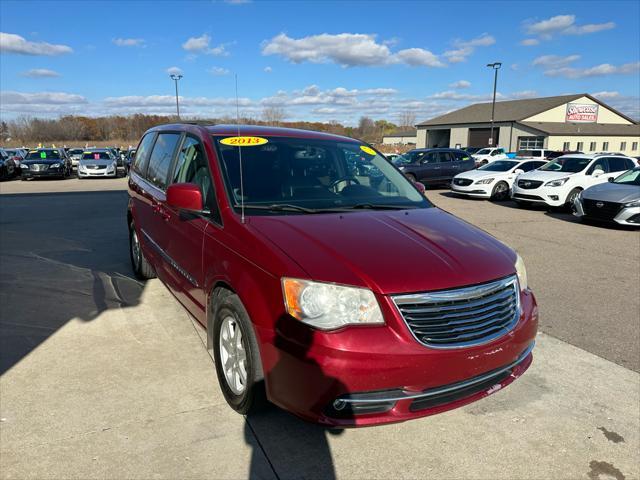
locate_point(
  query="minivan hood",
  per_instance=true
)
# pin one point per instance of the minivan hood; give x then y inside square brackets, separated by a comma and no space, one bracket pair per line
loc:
[389,252]
[613,192]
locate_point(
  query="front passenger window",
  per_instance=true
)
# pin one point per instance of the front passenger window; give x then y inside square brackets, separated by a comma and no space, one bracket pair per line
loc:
[191,167]
[161,159]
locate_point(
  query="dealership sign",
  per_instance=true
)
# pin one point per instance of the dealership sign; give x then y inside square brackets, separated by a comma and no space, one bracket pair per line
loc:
[581,112]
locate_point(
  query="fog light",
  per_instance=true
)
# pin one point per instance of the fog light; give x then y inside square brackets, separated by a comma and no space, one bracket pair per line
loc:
[553,197]
[634,219]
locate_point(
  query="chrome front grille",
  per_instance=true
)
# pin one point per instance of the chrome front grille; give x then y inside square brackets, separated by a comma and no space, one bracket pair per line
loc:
[464,316]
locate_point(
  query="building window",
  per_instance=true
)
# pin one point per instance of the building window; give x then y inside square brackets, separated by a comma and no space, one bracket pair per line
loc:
[527,143]
[592,147]
[623,146]
[634,146]
[566,146]
[605,146]
[580,146]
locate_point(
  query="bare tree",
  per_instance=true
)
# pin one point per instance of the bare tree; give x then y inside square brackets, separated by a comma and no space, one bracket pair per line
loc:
[407,118]
[273,115]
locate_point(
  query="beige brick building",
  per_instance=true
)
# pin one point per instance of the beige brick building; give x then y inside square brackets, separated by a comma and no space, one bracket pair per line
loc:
[567,122]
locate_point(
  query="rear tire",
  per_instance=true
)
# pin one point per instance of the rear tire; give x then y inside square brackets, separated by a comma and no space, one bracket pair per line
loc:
[500,192]
[141,267]
[236,357]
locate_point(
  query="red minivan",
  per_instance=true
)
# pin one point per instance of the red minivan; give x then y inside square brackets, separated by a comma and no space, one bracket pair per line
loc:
[327,282]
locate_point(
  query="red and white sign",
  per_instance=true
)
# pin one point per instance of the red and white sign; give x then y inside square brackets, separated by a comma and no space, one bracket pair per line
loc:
[582,112]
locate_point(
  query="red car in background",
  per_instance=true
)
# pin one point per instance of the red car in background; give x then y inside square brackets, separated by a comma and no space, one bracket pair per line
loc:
[327,282]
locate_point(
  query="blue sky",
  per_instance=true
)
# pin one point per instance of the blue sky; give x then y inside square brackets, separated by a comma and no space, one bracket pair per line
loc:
[313,60]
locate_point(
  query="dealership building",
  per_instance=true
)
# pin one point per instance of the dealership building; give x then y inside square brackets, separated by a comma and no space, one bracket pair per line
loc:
[568,122]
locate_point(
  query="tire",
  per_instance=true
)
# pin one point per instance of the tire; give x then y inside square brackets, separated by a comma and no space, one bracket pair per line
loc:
[568,205]
[500,192]
[243,383]
[141,267]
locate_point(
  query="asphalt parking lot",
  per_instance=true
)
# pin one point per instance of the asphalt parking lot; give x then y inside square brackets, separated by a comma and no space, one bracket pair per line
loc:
[102,376]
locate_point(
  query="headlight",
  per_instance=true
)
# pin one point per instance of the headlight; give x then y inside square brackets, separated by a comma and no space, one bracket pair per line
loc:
[635,203]
[521,271]
[485,181]
[400,168]
[557,183]
[55,165]
[25,167]
[327,306]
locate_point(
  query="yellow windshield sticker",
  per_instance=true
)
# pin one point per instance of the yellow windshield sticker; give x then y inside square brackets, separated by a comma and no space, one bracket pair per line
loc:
[368,150]
[244,141]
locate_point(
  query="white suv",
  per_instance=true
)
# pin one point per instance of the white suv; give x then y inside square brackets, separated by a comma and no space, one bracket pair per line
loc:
[559,182]
[486,155]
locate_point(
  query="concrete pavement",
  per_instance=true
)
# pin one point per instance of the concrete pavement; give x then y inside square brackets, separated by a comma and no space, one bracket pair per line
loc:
[105,377]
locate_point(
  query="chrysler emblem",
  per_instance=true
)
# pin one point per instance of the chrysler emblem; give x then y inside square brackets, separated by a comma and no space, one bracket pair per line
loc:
[599,204]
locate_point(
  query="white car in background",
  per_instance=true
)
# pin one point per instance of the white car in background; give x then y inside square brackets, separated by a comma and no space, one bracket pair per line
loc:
[98,162]
[75,154]
[493,180]
[490,154]
[560,181]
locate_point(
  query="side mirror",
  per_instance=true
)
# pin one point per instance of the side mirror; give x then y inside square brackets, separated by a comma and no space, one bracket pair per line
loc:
[518,171]
[420,186]
[597,172]
[185,196]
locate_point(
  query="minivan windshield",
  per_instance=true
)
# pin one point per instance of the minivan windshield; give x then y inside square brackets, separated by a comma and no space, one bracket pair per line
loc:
[631,177]
[300,175]
[409,157]
[499,166]
[566,164]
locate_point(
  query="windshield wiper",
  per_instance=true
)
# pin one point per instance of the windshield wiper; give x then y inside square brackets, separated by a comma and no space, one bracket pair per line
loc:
[372,206]
[282,207]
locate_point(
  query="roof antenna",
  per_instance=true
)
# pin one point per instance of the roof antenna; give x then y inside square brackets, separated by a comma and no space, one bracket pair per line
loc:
[239,155]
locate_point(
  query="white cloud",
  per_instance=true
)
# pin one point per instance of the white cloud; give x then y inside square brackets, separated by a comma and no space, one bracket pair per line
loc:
[346,49]
[555,61]
[529,42]
[129,42]
[464,48]
[268,69]
[40,73]
[460,84]
[170,100]
[606,94]
[201,44]
[9,98]
[218,71]
[11,43]
[457,96]
[564,25]
[174,71]
[596,71]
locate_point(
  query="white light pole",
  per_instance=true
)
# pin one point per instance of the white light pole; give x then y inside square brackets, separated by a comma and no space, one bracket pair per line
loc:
[496,66]
[175,78]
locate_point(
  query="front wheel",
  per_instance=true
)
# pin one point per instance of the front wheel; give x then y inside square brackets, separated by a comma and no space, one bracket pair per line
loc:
[236,357]
[500,191]
[571,198]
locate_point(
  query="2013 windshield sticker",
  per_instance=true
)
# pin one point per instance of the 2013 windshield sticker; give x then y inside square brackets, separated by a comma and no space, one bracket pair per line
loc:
[244,141]
[368,150]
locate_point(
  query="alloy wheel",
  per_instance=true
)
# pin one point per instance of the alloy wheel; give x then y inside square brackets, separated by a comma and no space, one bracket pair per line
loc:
[233,355]
[135,249]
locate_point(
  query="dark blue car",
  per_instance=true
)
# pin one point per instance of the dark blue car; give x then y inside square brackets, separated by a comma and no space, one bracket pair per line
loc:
[434,165]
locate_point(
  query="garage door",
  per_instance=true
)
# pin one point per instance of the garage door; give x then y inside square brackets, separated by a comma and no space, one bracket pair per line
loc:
[479,137]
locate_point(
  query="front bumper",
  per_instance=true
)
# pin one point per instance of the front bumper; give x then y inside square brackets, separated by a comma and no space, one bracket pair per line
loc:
[49,173]
[377,375]
[480,191]
[97,173]
[552,196]
[626,216]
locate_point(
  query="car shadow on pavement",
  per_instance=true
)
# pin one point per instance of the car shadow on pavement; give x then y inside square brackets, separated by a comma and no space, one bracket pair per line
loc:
[294,447]
[63,256]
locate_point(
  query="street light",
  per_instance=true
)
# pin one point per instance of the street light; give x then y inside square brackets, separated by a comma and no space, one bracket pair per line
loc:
[175,78]
[496,66]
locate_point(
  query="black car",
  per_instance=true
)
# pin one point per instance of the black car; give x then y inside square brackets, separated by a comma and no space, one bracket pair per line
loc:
[7,165]
[434,165]
[46,162]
